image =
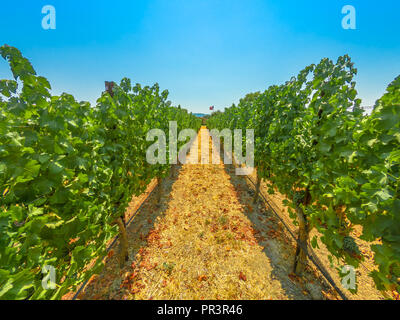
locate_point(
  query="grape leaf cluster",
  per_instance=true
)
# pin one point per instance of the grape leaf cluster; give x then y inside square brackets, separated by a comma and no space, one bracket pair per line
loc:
[67,171]
[317,146]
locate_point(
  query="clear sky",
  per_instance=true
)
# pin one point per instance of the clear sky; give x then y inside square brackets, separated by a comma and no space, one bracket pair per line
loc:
[205,52]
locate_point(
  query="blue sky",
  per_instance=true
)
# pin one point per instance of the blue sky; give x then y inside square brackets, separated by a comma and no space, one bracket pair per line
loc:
[205,52]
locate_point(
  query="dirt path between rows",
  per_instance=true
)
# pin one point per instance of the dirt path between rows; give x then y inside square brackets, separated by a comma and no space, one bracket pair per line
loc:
[205,240]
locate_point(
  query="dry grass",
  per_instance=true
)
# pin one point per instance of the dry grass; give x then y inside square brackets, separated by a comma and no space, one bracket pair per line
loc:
[204,240]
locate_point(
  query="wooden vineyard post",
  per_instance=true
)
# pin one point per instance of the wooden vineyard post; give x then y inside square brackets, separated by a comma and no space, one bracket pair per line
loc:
[109,87]
[173,170]
[123,240]
[257,189]
[159,187]
[300,262]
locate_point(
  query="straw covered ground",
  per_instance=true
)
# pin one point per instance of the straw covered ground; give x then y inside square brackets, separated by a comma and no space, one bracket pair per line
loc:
[205,240]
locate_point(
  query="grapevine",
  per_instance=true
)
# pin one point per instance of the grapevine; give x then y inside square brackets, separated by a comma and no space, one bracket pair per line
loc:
[67,173]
